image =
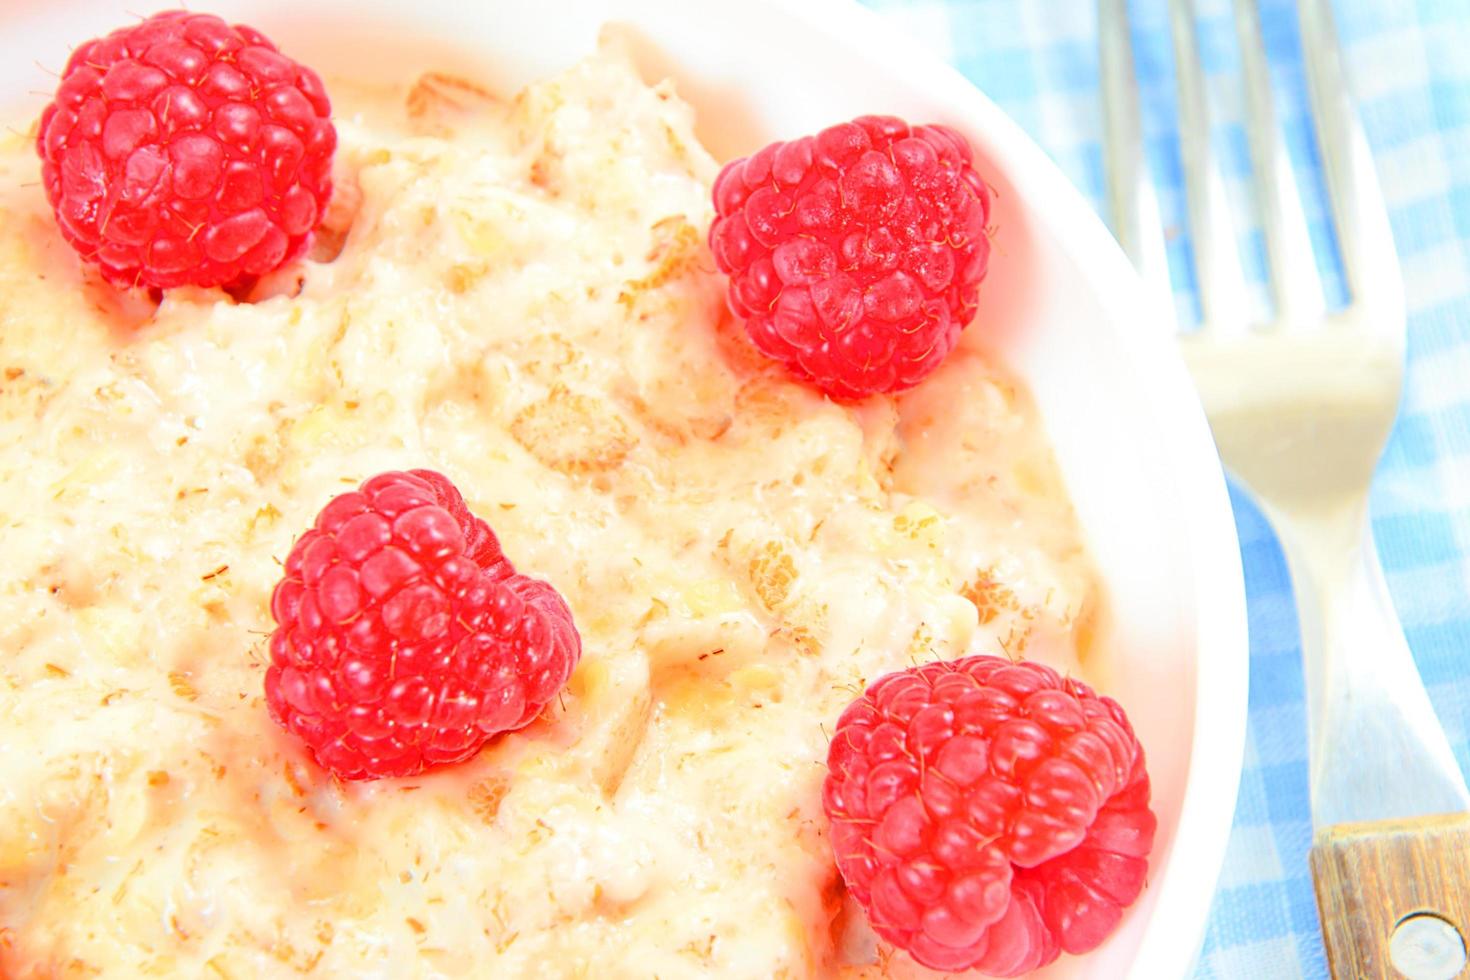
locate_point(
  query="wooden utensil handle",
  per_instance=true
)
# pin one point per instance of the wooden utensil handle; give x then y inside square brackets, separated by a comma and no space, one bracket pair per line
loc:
[1371,877]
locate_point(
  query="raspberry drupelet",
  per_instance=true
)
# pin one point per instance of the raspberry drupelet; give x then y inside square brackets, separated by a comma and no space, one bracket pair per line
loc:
[988,814]
[855,256]
[185,151]
[405,639]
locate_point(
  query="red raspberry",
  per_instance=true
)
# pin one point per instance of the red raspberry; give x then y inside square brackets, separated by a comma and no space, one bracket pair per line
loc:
[855,256]
[186,151]
[405,639]
[988,814]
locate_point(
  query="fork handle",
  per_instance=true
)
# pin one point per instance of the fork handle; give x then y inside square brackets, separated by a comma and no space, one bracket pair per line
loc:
[1393,897]
[1378,755]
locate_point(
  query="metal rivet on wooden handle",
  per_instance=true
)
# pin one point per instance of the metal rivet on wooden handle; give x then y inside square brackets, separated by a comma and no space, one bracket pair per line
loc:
[1394,898]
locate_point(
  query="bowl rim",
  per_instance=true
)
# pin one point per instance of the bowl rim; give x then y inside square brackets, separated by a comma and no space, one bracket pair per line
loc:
[1185,890]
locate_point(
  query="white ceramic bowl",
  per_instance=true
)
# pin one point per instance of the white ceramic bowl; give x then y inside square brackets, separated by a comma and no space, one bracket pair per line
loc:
[1066,309]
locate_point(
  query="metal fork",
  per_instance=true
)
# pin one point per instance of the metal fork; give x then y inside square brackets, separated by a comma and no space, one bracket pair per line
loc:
[1301,407]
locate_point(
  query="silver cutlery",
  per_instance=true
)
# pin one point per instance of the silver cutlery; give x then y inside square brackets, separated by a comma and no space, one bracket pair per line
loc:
[1301,406]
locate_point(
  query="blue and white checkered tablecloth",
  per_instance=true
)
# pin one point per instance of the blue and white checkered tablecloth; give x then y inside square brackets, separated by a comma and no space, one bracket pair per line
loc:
[1409,70]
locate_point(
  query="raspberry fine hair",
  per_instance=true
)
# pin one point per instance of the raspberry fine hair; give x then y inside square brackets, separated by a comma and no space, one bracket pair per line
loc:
[855,256]
[405,638]
[186,151]
[988,814]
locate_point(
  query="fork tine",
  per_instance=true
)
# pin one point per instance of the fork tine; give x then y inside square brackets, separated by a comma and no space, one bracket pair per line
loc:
[1364,236]
[1133,205]
[1216,261]
[1295,286]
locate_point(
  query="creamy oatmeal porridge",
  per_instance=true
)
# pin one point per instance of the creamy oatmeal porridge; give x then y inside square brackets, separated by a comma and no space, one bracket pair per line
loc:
[524,301]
